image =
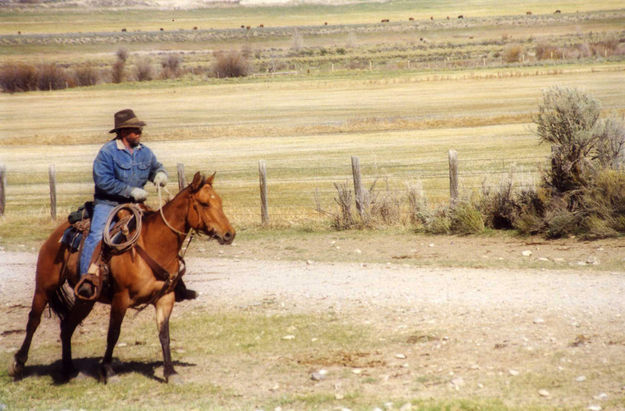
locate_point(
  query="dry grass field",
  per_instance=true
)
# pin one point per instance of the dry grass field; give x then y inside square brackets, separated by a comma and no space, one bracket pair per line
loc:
[398,96]
[400,127]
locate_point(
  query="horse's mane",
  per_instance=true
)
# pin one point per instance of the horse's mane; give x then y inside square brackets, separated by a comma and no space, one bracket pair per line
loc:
[149,211]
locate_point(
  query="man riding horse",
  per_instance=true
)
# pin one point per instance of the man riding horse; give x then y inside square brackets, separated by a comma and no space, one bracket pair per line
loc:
[120,171]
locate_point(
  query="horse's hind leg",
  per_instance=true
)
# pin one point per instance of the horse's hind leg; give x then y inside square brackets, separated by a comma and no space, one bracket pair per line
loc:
[78,313]
[40,301]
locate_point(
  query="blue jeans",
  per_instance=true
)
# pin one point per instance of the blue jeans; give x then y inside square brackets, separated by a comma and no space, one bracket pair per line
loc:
[101,212]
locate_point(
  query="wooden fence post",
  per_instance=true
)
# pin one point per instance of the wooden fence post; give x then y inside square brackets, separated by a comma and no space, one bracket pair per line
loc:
[358,190]
[181,182]
[52,177]
[3,183]
[453,177]
[262,176]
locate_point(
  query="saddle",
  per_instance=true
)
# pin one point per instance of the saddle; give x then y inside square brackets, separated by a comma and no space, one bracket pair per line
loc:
[74,237]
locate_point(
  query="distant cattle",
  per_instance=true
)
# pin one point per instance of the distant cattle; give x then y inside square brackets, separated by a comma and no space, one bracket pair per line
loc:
[242,26]
[557,12]
[529,13]
[19,32]
[162,29]
[384,20]
[325,24]
[261,25]
[194,27]
[123,30]
[247,28]
[173,19]
[461,16]
[410,18]
[431,17]
[447,17]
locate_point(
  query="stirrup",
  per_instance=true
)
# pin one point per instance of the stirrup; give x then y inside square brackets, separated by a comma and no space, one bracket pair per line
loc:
[88,280]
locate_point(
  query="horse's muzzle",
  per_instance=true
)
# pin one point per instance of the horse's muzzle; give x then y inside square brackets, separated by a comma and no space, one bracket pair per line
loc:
[226,238]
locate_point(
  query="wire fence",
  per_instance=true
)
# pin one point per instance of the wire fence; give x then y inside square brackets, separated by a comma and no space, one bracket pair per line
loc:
[293,192]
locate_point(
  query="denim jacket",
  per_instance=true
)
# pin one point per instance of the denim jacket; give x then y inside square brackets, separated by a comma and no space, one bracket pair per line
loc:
[116,171]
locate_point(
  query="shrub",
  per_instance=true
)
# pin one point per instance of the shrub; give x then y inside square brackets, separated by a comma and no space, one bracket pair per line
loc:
[144,70]
[16,77]
[512,53]
[439,222]
[566,120]
[386,208]
[231,64]
[344,219]
[86,75]
[118,74]
[546,51]
[122,54]
[51,77]
[465,218]
[417,205]
[171,66]
[610,134]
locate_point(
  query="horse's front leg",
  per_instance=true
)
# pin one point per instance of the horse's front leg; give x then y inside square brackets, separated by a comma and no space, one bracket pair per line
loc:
[164,307]
[119,305]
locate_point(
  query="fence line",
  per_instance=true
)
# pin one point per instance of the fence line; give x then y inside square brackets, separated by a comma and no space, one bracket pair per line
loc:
[456,171]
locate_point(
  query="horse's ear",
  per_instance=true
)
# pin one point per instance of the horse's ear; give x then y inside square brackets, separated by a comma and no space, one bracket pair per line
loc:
[210,179]
[198,182]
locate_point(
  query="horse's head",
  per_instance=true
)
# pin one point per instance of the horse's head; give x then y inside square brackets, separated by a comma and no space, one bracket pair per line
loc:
[205,212]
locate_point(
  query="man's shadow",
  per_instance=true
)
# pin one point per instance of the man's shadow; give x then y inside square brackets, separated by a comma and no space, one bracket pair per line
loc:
[90,368]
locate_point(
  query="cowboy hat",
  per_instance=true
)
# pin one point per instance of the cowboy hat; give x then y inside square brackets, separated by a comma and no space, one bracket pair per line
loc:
[126,119]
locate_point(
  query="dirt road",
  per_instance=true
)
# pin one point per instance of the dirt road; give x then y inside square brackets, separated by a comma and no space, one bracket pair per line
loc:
[471,329]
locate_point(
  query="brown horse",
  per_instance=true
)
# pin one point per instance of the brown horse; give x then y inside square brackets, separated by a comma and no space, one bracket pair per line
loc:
[197,207]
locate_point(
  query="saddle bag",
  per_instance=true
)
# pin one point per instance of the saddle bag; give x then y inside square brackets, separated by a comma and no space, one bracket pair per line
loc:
[80,221]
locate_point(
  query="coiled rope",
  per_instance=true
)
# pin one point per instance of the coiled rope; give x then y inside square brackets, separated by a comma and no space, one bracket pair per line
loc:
[111,236]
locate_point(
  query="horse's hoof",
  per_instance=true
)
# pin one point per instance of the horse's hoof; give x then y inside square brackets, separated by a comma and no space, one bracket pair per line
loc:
[175,379]
[106,372]
[16,370]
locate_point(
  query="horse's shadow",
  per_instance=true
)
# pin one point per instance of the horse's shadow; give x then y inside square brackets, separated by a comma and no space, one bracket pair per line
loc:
[90,368]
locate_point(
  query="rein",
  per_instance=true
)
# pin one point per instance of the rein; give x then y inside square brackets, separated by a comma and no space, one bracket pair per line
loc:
[160,209]
[186,235]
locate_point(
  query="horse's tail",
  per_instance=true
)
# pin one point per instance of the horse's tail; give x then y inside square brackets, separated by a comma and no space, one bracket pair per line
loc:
[62,300]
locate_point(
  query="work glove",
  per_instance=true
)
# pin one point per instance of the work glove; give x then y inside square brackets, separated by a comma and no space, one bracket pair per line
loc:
[160,179]
[138,194]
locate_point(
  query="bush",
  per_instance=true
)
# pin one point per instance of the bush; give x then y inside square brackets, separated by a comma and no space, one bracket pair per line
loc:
[439,222]
[118,74]
[386,208]
[610,134]
[546,51]
[465,219]
[51,77]
[566,120]
[417,205]
[171,66]
[231,64]
[122,54]
[512,53]
[86,75]
[344,219]
[16,77]
[143,70]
